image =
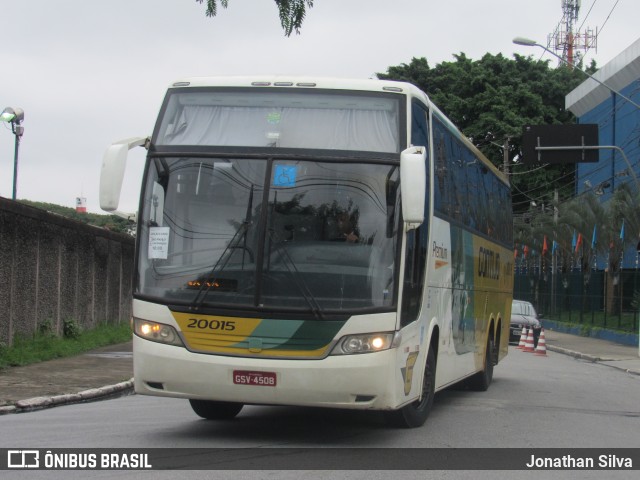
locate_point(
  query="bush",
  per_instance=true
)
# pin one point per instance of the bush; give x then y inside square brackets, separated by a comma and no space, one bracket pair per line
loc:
[70,328]
[46,327]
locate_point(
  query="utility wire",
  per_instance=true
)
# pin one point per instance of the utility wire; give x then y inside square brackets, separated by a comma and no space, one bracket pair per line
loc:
[602,27]
[587,16]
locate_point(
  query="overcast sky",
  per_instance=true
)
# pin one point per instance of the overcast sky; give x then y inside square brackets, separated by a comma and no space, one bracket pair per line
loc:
[88,73]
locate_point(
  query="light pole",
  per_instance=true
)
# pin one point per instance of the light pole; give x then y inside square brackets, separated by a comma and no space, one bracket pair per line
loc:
[14,116]
[532,43]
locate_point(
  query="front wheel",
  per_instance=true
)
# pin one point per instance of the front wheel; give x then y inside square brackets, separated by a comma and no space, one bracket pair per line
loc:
[416,413]
[215,410]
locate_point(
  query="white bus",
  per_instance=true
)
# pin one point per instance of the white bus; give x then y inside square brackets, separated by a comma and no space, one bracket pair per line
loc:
[314,242]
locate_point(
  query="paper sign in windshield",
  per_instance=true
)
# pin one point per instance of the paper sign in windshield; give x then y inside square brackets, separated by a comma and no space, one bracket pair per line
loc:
[158,242]
[285,176]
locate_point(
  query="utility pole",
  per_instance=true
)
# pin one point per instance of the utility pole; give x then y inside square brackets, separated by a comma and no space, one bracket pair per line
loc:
[505,158]
[554,257]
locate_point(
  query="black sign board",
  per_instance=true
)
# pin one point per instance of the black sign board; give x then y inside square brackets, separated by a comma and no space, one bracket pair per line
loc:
[568,138]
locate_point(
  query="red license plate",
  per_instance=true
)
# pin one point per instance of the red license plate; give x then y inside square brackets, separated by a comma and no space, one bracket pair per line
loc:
[260,379]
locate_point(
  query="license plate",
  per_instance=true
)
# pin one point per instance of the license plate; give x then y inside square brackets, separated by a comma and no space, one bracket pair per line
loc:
[259,379]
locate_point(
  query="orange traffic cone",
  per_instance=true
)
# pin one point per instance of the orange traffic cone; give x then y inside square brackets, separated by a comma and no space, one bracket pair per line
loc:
[523,338]
[541,349]
[528,347]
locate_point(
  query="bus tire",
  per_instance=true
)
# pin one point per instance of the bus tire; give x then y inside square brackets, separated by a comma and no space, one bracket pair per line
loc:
[416,413]
[215,410]
[480,381]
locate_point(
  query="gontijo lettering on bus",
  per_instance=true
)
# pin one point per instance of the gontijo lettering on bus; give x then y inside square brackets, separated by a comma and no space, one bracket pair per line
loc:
[488,264]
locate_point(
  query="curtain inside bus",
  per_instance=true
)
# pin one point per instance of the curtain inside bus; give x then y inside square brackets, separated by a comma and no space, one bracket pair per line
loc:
[268,119]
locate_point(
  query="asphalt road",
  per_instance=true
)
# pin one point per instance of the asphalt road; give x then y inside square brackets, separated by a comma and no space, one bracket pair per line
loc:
[534,402]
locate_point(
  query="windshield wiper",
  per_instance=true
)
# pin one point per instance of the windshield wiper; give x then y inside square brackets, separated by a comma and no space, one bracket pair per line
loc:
[239,235]
[308,296]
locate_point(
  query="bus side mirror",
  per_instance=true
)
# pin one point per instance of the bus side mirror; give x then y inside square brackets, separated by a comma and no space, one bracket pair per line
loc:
[113,168]
[413,188]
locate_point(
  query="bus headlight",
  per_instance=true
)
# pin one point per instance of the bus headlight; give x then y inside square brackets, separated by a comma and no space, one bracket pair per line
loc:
[363,343]
[156,332]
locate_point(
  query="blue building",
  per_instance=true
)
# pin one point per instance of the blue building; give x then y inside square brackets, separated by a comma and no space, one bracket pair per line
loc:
[618,124]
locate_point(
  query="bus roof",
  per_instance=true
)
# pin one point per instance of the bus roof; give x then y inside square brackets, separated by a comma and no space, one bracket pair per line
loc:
[370,85]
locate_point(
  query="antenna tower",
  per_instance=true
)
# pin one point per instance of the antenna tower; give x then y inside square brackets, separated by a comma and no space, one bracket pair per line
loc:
[568,39]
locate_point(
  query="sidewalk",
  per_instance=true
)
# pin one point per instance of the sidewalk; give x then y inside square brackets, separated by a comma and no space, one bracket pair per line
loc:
[108,372]
[622,357]
[97,374]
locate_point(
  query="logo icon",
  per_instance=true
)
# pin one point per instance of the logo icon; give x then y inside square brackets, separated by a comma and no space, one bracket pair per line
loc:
[407,372]
[23,459]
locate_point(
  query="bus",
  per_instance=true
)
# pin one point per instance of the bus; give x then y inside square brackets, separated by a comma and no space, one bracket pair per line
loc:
[314,242]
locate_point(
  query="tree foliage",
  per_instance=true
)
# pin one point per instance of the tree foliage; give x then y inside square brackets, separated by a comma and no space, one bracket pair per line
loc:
[493,98]
[291,12]
[110,222]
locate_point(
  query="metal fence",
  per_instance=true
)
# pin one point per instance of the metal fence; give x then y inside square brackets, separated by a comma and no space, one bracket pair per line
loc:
[592,298]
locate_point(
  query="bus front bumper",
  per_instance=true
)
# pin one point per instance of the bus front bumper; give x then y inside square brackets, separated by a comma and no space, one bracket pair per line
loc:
[365,381]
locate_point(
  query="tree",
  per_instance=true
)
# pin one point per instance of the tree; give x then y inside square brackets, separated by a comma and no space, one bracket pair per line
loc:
[493,98]
[291,12]
[110,222]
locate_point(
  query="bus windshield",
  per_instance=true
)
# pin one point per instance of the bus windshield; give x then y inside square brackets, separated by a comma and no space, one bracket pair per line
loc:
[311,236]
[263,118]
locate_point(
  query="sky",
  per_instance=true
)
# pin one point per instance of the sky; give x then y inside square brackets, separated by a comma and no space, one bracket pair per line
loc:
[89,73]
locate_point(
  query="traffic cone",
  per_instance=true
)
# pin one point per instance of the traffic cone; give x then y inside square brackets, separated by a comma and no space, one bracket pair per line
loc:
[541,349]
[523,338]
[528,347]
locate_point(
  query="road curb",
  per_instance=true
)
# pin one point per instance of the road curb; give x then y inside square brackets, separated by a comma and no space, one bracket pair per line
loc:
[92,394]
[572,353]
[590,358]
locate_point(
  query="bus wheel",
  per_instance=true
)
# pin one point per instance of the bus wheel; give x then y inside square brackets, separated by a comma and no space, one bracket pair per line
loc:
[416,413]
[481,380]
[215,410]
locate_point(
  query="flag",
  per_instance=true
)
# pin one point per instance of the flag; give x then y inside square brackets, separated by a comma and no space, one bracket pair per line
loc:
[578,242]
[554,247]
[573,241]
[622,231]
[594,238]
[525,251]
[545,248]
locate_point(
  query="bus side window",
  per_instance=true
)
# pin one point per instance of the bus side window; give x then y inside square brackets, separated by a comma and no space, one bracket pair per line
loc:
[414,273]
[419,126]
[416,253]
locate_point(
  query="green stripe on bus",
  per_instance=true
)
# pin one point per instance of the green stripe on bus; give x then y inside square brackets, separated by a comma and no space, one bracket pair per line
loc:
[312,335]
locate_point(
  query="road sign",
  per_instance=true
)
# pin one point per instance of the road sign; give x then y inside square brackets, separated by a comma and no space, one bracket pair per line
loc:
[563,136]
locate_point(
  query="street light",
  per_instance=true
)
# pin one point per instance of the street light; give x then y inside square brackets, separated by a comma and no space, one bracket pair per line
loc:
[14,117]
[532,43]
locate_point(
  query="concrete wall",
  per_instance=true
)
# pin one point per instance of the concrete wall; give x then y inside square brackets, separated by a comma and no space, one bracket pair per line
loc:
[54,269]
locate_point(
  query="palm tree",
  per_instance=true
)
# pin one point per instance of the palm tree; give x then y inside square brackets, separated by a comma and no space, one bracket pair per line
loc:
[625,214]
[625,205]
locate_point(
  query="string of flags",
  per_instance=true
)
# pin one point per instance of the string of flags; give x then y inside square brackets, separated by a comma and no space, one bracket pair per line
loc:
[525,255]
